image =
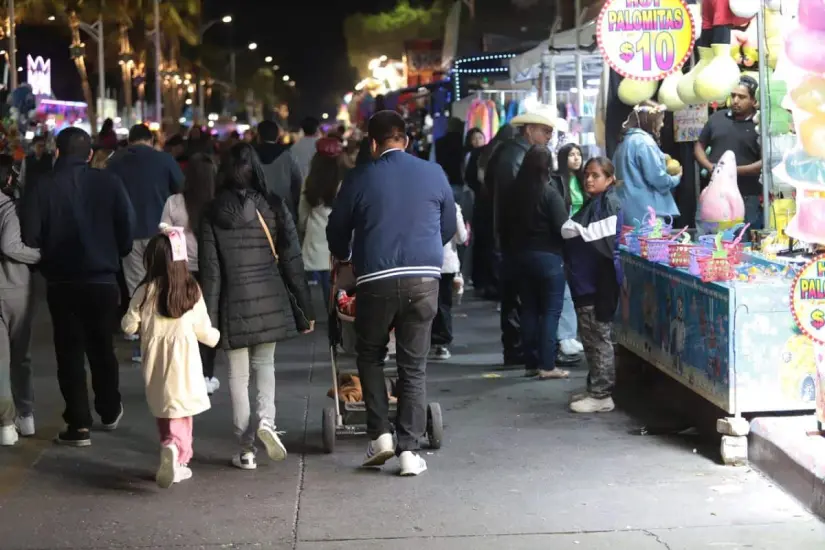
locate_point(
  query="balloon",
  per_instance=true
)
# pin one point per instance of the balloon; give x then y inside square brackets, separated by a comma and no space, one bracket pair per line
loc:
[685,86]
[809,95]
[744,8]
[802,167]
[633,92]
[812,14]
[801,48]
[668,94]
[719,77]
[812,133]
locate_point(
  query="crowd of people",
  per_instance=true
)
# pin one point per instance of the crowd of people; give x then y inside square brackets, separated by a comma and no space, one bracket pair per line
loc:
[216,244]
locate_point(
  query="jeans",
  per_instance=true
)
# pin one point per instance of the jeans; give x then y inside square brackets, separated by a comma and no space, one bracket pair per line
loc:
[207,353]
[16,391]
[442,334]
[133,268]
[177,432]
[323,278]
[261,359]
[407,305]
[753,212]
[567,322]
[511,336]
[542,283]
[82,318]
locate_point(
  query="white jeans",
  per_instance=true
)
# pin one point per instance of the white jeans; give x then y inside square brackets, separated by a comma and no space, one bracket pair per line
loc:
[261,359]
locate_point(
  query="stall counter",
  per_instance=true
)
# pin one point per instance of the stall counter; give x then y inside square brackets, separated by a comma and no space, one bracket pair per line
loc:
[734,343]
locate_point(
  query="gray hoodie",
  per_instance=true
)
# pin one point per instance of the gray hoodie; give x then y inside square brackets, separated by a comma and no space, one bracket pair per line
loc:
[14,255]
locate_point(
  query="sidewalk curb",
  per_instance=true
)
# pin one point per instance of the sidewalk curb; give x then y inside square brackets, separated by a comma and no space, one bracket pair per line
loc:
[781,449]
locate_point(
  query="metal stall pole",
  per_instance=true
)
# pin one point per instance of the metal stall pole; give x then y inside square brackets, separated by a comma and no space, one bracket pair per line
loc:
[12,46]
[764,118]
[579,70]
[158,81]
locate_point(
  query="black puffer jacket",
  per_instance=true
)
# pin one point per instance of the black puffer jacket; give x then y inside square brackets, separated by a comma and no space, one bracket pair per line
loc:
[246,293]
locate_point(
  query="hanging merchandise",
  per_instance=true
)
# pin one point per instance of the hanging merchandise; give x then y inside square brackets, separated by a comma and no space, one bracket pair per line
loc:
[644,54]
[744,8]
[721,205]
[668,95]
[804,45]
[721,75]
[685,86]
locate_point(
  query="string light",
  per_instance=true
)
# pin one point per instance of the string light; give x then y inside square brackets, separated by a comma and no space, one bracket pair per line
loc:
[491,57]
[457,71]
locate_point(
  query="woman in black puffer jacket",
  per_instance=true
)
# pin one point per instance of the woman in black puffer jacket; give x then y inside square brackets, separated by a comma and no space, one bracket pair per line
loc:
[253,299]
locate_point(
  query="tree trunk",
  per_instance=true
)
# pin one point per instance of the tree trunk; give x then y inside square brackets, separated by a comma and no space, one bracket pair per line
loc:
[127,64]
[77,52]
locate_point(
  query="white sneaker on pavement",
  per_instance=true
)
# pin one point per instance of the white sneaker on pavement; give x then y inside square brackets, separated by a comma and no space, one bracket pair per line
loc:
[212,385]
[165,476]
[412,464]
[379,451]
[440,353]
[8,435]
[570,347]
[592,405]
[25,425]
[182,473]
[578,346]
[269,437]
[245,460]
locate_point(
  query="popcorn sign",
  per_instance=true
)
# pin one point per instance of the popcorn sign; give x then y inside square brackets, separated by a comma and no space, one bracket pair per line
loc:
[645,39]
[808,300]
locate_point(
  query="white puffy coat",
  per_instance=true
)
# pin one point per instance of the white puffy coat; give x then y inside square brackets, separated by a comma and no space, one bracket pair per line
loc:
[451,263]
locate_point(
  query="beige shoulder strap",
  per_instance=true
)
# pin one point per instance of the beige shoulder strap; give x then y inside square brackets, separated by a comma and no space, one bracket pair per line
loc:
[268,234]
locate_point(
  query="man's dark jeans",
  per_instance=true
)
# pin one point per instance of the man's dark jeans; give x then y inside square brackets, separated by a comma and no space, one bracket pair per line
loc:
[408,305]
[82,318]
[510,306]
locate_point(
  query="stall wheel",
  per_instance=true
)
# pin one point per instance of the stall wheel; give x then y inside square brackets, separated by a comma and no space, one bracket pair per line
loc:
[435,425]
[328,421]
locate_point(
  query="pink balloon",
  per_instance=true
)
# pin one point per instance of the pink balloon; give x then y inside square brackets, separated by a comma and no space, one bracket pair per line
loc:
[812,14]
[799,48]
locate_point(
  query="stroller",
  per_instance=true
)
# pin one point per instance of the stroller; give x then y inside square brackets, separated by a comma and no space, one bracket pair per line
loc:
[344,418]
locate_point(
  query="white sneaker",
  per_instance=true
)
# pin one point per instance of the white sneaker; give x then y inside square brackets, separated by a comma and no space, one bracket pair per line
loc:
[578,396]
[412,464]
[440,353]
[269,437]
[379,451]
[592,405]
[182,473]
[165,476]
[25,425]
[579,346]
[8,435]
[212,385]
[245,460]
[570,347]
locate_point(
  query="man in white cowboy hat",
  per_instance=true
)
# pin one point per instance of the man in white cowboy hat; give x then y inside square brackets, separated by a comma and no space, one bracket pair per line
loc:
[535,127]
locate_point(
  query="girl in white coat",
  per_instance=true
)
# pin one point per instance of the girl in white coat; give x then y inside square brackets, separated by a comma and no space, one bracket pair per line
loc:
[169,311]
[442,333]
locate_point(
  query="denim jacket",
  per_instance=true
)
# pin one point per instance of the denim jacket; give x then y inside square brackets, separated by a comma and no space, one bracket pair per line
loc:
[644,181]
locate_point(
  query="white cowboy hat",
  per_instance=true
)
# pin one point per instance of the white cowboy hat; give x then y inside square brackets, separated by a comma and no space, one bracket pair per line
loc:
[544,115]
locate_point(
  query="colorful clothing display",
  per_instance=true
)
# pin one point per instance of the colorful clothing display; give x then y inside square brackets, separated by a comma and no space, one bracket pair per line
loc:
[483,114]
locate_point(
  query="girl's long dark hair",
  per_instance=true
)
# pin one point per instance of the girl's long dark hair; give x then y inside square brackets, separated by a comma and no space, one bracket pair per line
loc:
[531,181]
[198,188]
[323,180]
[176,290]
[564,171]
[243,169]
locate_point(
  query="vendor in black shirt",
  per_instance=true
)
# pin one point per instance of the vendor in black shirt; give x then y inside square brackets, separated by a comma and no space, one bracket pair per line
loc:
[735,130]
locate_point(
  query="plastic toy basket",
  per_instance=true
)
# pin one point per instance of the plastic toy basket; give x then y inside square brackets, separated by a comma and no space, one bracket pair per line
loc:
[679,254]
[697,253]
[715,269]
[656,250]
[733,248]
[626,230]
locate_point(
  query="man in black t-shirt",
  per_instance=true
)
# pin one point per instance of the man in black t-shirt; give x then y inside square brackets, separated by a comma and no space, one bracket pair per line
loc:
[735,130]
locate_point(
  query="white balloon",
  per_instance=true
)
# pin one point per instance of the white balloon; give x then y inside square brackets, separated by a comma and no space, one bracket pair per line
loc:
[744,8]
[773,5]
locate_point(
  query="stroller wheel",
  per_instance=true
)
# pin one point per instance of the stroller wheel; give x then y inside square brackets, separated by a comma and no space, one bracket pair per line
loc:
[435,425]
[328,421]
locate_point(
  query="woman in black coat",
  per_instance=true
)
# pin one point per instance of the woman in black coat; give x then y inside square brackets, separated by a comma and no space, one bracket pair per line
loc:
[254,298]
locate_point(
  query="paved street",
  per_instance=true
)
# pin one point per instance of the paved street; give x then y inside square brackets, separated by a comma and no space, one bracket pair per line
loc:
[517,471]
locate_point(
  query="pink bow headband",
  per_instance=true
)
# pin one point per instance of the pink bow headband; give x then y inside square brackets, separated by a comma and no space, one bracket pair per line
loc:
[177,239]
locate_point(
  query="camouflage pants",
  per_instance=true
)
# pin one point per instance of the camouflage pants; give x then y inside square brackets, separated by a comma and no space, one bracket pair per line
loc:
[598,349]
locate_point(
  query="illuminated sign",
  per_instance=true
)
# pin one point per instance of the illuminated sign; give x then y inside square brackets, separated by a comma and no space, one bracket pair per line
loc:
[39,75]
[808,300]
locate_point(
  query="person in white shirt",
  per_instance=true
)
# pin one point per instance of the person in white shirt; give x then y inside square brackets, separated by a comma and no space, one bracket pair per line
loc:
[304,149]
[442,333]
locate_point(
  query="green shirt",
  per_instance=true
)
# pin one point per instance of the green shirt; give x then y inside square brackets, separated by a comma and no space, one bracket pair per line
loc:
[576,195]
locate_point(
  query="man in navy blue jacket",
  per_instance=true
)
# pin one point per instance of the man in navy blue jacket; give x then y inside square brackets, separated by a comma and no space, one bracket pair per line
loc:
[392,218]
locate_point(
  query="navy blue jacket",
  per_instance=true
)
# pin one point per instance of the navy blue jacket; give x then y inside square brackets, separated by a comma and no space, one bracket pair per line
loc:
[594,271]
[392,217]
[81,220]
[150,178]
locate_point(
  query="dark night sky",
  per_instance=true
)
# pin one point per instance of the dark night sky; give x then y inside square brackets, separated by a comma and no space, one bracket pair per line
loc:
[305,37]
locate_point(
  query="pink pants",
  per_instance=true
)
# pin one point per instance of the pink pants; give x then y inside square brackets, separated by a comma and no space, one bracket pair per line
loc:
[177,432]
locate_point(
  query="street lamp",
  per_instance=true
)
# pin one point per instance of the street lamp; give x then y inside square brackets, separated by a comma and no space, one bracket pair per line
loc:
[268,59]
[253,46]
[275,68]
[286,78]
[51,18]
[226,19]
[325,116]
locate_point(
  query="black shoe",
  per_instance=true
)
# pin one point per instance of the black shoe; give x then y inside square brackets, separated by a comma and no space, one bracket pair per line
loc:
[511,360]
[71,437]
[112,426]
